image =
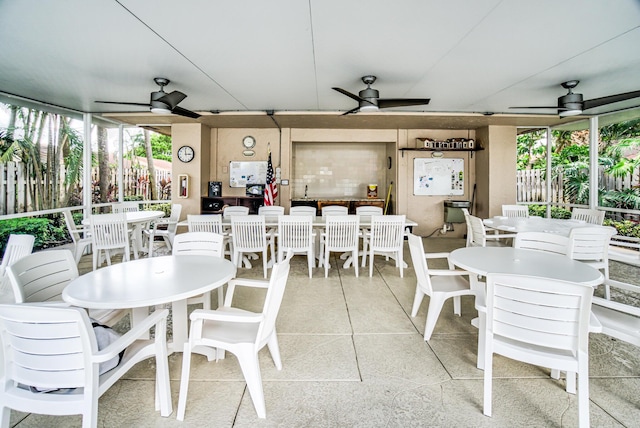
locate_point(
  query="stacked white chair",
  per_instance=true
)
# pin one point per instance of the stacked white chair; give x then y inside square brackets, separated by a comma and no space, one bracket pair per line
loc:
[553,334]
[588,215]
[438,284]
[295,234]
[386,237]
[240,332]
[515,211]
[79,235]
[51,348]
[108,233]
[249,235]
[341,234]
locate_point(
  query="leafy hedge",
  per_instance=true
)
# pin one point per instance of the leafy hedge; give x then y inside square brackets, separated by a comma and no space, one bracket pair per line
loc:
[624,227]
[48,232]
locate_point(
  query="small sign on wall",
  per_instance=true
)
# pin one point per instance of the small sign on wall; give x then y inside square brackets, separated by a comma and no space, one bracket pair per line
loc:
[438,176]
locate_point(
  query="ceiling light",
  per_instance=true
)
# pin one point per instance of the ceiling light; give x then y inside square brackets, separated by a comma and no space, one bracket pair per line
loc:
[573,112]
[157,110]
[369,107]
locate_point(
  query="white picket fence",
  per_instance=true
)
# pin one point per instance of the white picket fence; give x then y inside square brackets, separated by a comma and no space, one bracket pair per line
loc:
[16,198]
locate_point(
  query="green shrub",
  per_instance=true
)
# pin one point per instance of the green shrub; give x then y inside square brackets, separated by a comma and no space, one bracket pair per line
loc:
[45,230]
[624,227]
[556,212]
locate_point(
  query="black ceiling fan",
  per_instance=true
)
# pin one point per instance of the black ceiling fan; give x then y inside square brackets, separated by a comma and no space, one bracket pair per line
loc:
[161,102]
[572,104]
[368,99]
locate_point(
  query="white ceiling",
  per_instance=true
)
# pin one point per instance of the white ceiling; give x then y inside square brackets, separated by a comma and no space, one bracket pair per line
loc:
[468,56]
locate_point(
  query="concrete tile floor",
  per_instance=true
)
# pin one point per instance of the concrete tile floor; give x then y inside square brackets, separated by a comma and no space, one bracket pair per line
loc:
[353,356]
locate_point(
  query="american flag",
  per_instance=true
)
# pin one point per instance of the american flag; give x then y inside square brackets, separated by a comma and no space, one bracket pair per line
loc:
[271,189]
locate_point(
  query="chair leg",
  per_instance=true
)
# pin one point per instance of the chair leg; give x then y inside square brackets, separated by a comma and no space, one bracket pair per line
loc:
[248,360]
[457,306]
[311,261]
[274,349]
[163,385]
[206,300]
[417,301]
[325,260]
[354,255]
[371,259]
[482,340]
[5,416]
[433,312]
[184,381]
[583,392]
[488,381]
[400,262]
[264,262]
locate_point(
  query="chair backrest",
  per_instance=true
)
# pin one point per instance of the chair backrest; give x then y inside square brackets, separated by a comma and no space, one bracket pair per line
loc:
[478,234]
[174,218]
[588,215]
[271,210]
[539,311]
[41,276]
[248,232]
[590,243]
[387,232]
[295,232]
[419,261]
[541,241]
[303,210]
[273,299]
[17,247]
[334,210]
[109,231]
[205,223]
[341,232]
[369,210]
[230,211]
[515,211]
[47,347]
[469,229]
[74,233]
[198,244]
[125,207]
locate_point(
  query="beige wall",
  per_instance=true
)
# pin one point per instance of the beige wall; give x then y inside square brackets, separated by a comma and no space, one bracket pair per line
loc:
[493,169]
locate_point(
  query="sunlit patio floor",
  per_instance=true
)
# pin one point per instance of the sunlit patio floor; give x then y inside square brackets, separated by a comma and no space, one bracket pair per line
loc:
[353,357]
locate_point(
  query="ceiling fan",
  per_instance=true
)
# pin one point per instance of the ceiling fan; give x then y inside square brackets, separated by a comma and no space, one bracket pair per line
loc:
[161,102]
[369,100]
[572,104]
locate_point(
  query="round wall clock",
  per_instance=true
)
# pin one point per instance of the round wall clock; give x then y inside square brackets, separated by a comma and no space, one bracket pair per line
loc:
[249,142]
[186,154]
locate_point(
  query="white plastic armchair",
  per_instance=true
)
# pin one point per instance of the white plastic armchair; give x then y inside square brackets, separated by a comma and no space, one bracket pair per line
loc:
[588,215]
[480,238]
[438,284]
[341,235]
[385,237]
[17,247]
[109,232]
[240,332]
[515,211]
[249,235]
[542,241]
[168,230]
[590,245]
[49,347]
[79,235]
[295,234]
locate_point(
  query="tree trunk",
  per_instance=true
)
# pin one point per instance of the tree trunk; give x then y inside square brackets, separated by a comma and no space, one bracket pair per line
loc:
[103,165]
[151,168]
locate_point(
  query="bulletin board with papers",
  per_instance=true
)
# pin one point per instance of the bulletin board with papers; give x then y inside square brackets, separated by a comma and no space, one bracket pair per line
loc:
[442,176]
[243,173]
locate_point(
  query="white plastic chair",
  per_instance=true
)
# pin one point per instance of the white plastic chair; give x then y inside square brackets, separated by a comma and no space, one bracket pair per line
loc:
[42,276]
[211,223]
[365,212]
[271,211]
[240,332]
[125,207]
[167,234]
[438,284]
[109,232]
[295,234]
[480,238]
[341,235]
[386,237]
[369,210]
[200,244]
[249,235]
[588,215]
[515,211]
[334,210]
[303,210]
[231,211]
[539,321]
[55,348]
[17,247]
[541,241]
[590,244]
[79,235]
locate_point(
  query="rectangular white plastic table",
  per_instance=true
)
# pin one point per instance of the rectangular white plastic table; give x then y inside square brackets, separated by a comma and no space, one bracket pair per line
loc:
[142,283]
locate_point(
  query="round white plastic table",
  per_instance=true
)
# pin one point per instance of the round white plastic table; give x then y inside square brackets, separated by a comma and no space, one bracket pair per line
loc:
[534,224]
[141,283]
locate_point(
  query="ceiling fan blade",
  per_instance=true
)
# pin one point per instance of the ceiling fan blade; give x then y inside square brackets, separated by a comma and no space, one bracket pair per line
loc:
[401,102]
[545,107]
[597,102]
[350,95]
[184,112]
[125,104]
[353,110]
[172,99]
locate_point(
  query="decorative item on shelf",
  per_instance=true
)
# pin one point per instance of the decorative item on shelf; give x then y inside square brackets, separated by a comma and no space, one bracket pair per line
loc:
[372,191]
[183,186]
[448,144]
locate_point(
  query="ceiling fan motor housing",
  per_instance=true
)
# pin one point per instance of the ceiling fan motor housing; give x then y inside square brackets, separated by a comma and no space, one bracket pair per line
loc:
[370,95]
[159,105]
[570,101]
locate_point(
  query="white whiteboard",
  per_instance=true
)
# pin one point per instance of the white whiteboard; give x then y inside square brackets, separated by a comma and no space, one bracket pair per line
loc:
[443,176]
[243,173]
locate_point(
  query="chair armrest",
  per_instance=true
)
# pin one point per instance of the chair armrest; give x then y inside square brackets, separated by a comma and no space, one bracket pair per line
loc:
[501,236]
[131,336]
[446,272]
[436,255]
[616,306]
[231,287]
[227,316]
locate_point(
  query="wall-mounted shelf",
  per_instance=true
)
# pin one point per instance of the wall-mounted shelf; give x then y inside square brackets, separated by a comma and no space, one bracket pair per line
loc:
[425,149]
